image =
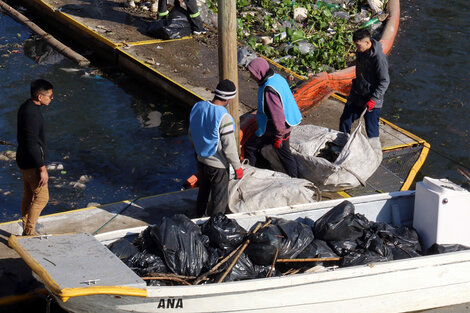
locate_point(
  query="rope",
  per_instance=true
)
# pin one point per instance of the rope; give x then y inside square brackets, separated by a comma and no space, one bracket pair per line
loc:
[115,215]
[450,159]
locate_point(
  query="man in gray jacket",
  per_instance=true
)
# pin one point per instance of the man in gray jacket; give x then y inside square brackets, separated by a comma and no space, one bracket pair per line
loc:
[369,86]
[211,130]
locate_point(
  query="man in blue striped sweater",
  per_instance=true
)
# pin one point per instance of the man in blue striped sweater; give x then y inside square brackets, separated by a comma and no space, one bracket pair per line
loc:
[211,130]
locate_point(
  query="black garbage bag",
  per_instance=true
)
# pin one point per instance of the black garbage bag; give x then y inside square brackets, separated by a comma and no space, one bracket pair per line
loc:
[307,221]
[224,233]
[123,248]
[263,271]
[403,241]
[37,48]
[145,243]
[296,237]
[264,244]
[182,244]
[340,223]
[403,253]
[213,258]
[242,270]
[317,249]
[175,26]
[146,263]
[343,247]
[371,241]
[444,248]
[361,257]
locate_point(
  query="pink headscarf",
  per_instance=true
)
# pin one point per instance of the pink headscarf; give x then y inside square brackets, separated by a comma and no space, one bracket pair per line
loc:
[258,67]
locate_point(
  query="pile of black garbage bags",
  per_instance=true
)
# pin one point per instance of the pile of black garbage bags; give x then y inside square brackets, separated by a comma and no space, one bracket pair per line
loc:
[179,246]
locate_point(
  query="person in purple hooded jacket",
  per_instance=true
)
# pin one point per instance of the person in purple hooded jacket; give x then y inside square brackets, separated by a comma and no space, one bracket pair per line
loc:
[276,115]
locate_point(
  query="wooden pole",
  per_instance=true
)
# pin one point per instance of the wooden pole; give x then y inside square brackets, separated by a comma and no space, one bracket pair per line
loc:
[57,45]
[247,242]
[228,68]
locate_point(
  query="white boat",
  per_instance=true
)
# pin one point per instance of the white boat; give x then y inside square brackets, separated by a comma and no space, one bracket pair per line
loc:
[86,277]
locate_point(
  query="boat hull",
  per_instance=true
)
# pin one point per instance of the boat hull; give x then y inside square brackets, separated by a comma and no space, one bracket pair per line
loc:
[397,286]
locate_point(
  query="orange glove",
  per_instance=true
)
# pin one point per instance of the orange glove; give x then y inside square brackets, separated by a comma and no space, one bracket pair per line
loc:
[370,104]
[277,144]
[239,173]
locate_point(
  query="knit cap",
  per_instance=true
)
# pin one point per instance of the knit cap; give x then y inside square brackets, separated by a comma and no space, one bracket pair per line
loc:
[225,90]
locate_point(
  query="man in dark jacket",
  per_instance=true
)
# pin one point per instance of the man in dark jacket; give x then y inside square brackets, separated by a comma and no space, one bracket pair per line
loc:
[31,154]
[369,86]
[276,115]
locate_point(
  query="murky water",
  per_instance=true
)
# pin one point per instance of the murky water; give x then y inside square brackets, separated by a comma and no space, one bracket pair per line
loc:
[429,93]
[134,143]
[128,142]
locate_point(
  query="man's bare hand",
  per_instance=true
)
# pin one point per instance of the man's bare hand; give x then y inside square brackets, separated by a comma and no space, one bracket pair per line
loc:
[43,176]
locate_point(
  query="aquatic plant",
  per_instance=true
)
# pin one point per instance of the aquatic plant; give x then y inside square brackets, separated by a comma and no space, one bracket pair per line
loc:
[303,35]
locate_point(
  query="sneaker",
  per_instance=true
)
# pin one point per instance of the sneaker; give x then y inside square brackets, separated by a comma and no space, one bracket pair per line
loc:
[33,234]
[200,31]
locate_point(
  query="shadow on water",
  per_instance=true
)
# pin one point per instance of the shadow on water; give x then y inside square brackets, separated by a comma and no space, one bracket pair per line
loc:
[109,137]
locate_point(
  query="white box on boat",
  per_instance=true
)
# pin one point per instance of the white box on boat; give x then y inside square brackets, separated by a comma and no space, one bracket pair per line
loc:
[441,213]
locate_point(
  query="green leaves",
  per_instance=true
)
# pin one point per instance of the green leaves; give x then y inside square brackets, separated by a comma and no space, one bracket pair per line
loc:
[330,36]
[296,35]
[242,3]
[251,41]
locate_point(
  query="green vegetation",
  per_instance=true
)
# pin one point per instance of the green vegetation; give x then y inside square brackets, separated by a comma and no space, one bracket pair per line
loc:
[320,42]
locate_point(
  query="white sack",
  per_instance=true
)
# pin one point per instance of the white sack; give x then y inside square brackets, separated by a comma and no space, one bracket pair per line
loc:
[261,189]
[359,158]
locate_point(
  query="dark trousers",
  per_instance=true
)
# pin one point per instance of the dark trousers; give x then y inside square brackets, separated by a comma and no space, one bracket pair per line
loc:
[255,144]
[214,182]
[352,112]
[196,22]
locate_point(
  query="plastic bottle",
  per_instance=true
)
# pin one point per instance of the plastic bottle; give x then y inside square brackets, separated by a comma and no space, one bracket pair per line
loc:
[370,22]
[330,6]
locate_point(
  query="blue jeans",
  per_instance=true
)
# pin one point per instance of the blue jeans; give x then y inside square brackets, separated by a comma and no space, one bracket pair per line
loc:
[352,112]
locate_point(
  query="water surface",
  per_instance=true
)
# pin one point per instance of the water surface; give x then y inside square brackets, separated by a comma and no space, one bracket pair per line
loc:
[133,142]
[430,81]
[122,140]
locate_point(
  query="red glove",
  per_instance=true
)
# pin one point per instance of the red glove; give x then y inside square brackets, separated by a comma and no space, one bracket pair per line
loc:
[277,143]
[370,104]
[239,173]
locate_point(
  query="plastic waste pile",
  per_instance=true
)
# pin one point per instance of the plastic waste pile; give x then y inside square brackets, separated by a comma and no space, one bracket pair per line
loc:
[305,36]
[180,249]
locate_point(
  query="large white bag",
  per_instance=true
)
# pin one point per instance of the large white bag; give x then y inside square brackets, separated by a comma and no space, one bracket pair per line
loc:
[261,189]
[358,160]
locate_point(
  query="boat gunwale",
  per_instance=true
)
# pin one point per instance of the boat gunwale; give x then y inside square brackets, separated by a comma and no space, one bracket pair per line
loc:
[376,268]
[346,273]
